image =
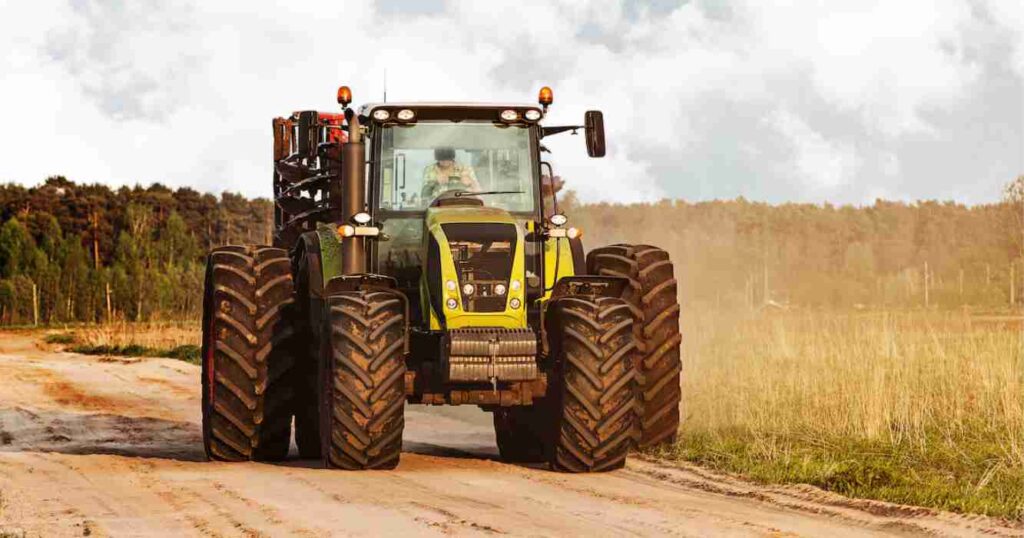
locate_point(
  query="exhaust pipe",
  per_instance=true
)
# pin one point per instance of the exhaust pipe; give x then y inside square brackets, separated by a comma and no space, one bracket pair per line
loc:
[353,199]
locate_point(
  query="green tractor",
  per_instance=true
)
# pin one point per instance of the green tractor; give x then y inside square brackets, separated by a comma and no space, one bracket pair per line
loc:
[419,257]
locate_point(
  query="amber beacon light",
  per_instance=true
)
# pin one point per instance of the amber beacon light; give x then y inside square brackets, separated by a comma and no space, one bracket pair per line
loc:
[546,97]
[344,96]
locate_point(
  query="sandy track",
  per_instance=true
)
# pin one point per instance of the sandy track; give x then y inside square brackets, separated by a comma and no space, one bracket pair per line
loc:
[92,446]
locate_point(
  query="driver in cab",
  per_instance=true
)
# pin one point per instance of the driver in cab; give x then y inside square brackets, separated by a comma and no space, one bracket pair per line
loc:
[447,175]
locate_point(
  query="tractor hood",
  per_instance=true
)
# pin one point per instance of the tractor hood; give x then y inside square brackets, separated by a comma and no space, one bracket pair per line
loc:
[467,214]
[475,268]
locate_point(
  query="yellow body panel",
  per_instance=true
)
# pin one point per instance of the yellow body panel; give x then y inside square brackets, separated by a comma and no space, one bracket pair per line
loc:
[558,263]
[458,318]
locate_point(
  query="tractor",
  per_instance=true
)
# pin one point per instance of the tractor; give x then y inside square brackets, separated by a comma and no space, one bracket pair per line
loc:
[419,257]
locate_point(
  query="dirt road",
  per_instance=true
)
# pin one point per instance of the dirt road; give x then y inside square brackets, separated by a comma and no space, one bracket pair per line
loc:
[103,446]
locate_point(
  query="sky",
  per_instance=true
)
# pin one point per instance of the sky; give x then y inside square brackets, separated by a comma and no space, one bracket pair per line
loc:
[779,101]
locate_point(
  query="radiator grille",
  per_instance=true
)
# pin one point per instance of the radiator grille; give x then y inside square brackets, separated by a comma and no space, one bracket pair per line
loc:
[483,255]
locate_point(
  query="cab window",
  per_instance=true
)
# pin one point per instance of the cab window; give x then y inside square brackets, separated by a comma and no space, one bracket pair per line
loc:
[426,160]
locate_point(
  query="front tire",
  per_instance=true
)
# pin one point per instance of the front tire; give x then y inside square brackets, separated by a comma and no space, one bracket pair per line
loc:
[247,355]
[594,387]
[362,379]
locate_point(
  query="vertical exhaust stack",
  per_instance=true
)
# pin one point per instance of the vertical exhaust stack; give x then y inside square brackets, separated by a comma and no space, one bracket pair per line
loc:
[353,186]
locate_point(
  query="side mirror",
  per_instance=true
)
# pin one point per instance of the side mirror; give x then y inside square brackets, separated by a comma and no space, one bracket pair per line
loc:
[594,122]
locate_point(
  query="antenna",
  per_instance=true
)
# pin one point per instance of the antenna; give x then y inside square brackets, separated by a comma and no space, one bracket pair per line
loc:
[385,84]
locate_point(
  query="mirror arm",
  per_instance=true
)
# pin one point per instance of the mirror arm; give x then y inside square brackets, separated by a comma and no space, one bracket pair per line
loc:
[548,131]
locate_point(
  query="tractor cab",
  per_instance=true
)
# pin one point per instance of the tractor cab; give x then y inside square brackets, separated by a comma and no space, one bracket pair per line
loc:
[443,171]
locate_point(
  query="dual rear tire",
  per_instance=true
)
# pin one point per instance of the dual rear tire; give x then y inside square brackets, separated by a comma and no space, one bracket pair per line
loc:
[652,292]
[251,377]
[247,354]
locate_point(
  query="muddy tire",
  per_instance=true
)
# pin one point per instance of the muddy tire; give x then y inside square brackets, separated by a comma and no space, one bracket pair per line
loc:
[308,313]
[593,383]
[520,432]
[652,291]
[247,354]
[362,380]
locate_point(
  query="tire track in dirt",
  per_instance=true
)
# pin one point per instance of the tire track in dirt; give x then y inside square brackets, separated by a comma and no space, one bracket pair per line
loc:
[272,515]
[182,509]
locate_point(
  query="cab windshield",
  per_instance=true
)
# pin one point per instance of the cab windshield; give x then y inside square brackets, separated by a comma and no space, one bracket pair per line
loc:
[427,160]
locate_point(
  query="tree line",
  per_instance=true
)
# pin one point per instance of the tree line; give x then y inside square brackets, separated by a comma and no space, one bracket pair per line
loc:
[739,253]
[90,253]
[72,252]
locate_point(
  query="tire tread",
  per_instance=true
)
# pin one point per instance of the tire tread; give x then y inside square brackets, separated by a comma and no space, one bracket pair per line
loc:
[363,380]
[595,383]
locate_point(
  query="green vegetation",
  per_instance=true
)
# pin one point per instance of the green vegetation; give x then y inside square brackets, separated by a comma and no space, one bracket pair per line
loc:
[188,353]
[962,476]
[60,338]
[86,253]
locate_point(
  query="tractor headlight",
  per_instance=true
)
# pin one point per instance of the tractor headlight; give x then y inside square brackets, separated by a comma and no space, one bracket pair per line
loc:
[381,115]
[509,115]
[515,303]
[452,304]
[451,285]
[468,289]
[499,289]
[559,219]
[405,114]
[516,285]
[532,114]
[362,218]
[573,233]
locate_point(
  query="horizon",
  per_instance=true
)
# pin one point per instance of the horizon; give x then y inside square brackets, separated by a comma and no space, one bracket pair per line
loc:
[562,196]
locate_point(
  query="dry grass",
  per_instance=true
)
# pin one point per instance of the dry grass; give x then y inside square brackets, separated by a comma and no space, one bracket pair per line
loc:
[178,340]
[154,335]
[924,408]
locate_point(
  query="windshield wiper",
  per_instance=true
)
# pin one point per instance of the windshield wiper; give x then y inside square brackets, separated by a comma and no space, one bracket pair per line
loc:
[460,194]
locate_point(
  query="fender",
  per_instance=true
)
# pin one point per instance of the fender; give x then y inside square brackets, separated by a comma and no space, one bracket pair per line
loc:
[565,255]
[370,281]
[330,251]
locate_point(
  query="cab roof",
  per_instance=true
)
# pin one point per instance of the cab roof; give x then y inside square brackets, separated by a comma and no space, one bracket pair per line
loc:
[370,107]
[452,111]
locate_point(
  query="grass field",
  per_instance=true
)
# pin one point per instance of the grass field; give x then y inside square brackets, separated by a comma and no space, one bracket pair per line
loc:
[917,408]
[174,339]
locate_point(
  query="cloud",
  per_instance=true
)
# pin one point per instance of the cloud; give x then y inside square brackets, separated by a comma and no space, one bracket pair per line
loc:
[888,62]
[818,162]
[704,99]
[129,73]
[1009,17]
